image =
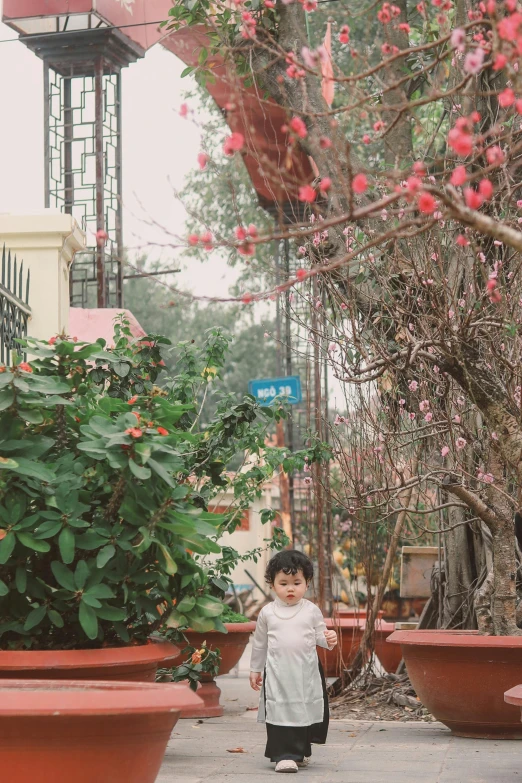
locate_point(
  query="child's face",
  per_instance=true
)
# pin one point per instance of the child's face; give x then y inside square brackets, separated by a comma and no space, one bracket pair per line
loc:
[289,588]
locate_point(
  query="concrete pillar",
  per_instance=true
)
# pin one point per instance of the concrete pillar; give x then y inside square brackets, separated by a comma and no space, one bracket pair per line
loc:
[46,242]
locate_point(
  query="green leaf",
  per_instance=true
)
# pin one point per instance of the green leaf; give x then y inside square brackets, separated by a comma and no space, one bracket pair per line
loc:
[90,540]
[48,529]
[161,472]
[104,555]
[99,591]
[48,385]
[6,547]
[63,576]
[55,618]
[186,604]
[66,543]
[122,369]
[21,579]
[139,472]
[30,415]
[6,398]
[7,464]
[35,617]
[202,625]
[21,384]
[186,579]
[3,588]
[26,467]
[208,606]
[88,620]
[5,378]
[33,543]
[91,601]
[111,613]
[170,565]
[81,574]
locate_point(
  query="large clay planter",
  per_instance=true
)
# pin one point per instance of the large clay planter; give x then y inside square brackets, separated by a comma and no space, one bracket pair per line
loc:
[65,731]
[461,678]
[137,663]
[389,655]
[349,634]
[355,614]
[231,646]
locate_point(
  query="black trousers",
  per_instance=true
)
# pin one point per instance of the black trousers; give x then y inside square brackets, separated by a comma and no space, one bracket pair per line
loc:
[295,742]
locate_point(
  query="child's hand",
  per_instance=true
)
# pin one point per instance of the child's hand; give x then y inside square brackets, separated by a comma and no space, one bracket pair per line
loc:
[331,639]
[256,680]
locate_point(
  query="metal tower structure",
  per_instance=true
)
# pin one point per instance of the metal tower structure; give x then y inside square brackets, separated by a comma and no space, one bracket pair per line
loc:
[83,52]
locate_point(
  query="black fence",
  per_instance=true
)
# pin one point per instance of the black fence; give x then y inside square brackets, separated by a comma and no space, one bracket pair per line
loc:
[14,305]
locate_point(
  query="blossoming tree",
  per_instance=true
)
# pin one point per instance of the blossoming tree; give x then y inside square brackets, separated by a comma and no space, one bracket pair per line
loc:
[409,244]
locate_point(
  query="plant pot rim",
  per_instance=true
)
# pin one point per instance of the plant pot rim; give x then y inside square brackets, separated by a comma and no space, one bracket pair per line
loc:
[16,660]
[58,698]
[250,626]
[356,622]
[453,638]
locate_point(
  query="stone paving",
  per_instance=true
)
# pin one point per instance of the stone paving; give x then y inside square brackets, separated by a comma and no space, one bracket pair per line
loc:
[357,751]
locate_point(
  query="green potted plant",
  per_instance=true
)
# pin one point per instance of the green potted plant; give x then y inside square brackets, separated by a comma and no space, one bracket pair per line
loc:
[104,484]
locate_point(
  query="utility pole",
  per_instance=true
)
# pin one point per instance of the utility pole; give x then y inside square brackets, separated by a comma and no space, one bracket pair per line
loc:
[284,482]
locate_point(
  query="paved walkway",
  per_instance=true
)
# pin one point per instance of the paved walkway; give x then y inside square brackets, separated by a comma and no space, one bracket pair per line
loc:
[357,752]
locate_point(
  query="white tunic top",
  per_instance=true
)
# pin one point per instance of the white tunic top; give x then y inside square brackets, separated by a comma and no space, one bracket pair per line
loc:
[285,642]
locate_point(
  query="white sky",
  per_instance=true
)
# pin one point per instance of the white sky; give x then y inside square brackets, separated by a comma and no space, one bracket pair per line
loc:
[159,148]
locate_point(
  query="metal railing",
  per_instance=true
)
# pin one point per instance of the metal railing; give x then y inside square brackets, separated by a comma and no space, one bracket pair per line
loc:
[14,305]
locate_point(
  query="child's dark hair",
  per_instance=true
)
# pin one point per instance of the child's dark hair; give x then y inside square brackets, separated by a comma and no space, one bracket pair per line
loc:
[290,561]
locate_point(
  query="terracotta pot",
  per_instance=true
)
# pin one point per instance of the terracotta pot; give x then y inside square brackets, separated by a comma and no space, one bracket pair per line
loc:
[231,646]
[356,613]
[350,632]
[65,730]
[461,678]
[388,655]
[137,663]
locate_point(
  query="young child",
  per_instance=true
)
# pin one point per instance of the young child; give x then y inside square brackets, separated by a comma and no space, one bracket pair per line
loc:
[285,667]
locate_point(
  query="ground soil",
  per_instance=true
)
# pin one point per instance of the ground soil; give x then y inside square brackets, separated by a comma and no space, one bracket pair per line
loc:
[380,698]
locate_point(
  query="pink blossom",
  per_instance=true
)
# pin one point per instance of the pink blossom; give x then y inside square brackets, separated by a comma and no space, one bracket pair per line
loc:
[344,34]
[233,143]
[413,386]
[444,451]
[428,417]
[359,183]
[474,61]
[459,176]
[456,419]
[203,160]
[298,127]
[307,193]
[307,480]
[460,443]
[495,156]
[424,405]
[458,39]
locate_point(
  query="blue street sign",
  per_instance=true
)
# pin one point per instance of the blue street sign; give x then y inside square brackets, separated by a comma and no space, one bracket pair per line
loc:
[266,390]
